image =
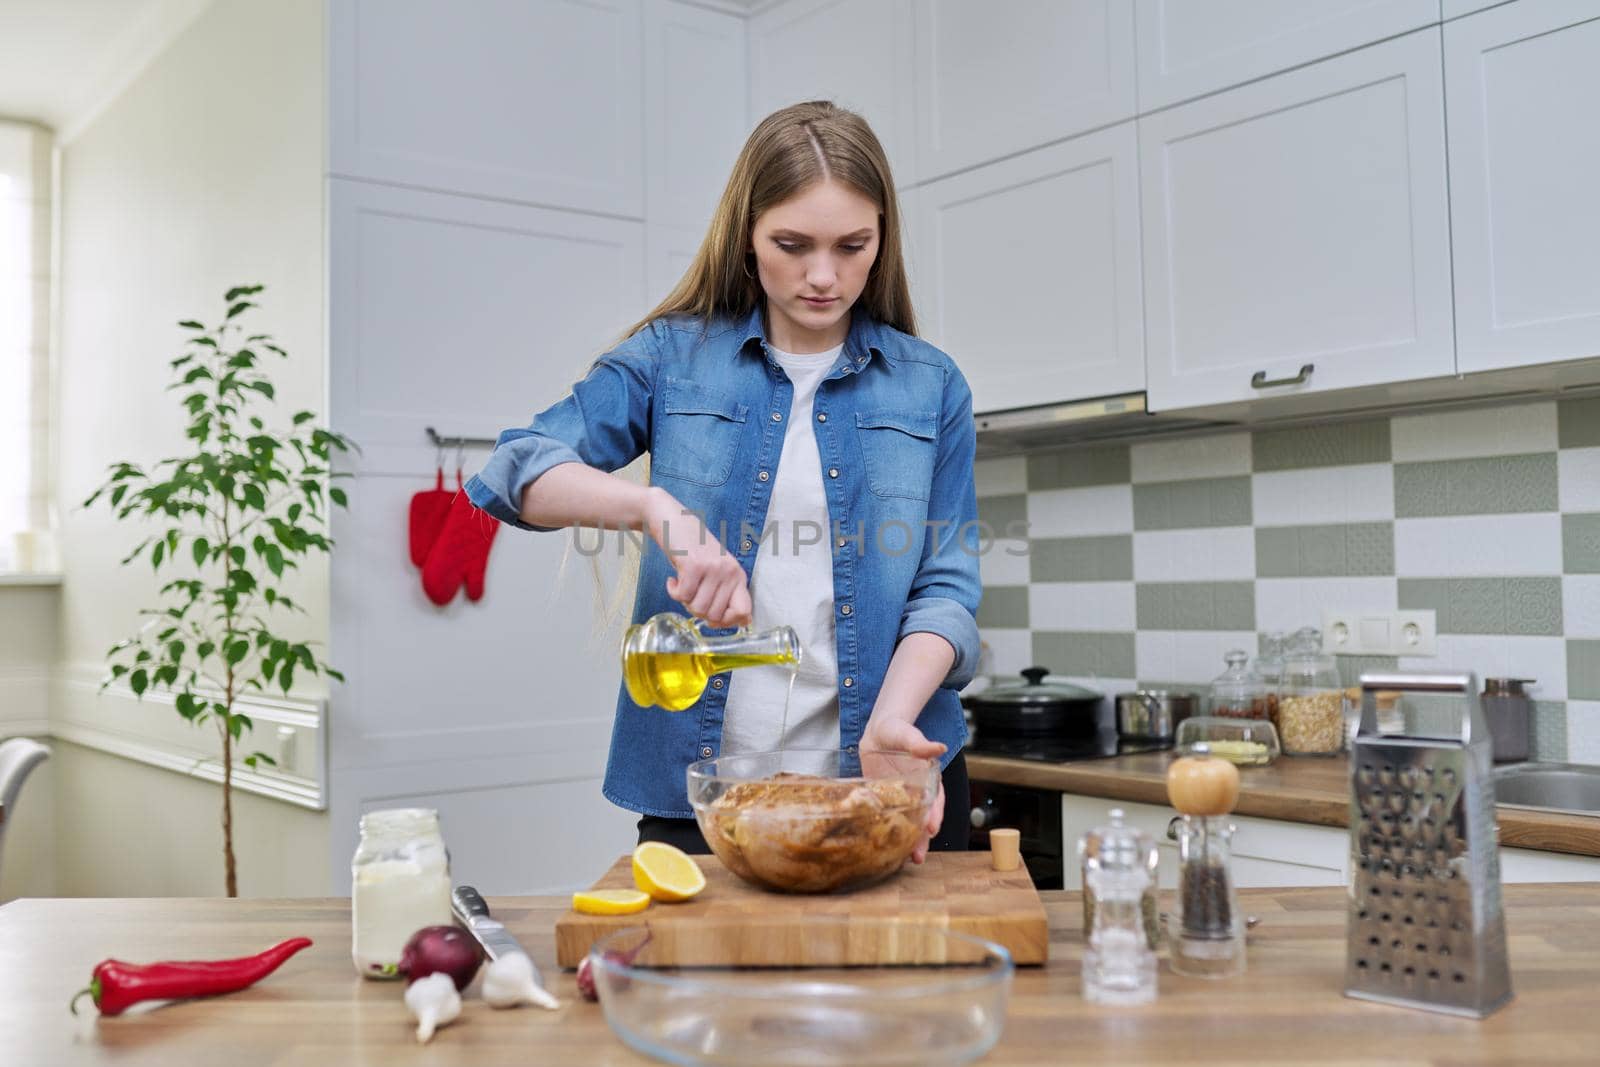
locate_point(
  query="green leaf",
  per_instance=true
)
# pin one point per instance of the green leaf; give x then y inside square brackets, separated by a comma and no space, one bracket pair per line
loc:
[286,676]
[338,497]
[237,554]
[331,673]
[303,417]
[139,681]
[205,648]
[241,290]
[254,497]
[175,650]
[238,651]
[187,705]
[239,308]
[259,757]
[190,324]
[274,557]
[264,388]
[202,549]
[156,553]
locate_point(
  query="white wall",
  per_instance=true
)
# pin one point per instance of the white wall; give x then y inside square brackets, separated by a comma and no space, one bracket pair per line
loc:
[206,172]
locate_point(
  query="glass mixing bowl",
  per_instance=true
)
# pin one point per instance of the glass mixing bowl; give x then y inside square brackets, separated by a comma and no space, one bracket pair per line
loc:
[947,1011]
[813,820]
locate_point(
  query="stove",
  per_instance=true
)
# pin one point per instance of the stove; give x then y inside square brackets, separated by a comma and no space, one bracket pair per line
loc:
[1036,813]
[1062,750]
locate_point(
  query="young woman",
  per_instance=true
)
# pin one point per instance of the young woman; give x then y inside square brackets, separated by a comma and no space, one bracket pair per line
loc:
[810,466]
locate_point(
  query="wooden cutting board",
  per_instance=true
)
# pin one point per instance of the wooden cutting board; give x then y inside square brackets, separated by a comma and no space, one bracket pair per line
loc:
[732,922]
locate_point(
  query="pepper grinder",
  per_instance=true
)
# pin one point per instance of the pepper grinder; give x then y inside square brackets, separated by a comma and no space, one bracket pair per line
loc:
[1207,929]
[1119,862]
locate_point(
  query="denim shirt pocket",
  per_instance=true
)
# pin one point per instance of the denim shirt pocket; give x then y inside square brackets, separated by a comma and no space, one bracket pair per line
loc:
[898,449]
[697,433]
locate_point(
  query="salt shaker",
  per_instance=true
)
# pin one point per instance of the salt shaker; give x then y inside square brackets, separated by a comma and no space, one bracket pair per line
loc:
[1207,929]
[1119,965]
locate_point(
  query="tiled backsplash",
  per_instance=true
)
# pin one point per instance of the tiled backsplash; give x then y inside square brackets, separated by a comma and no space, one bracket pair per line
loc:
[1145,563]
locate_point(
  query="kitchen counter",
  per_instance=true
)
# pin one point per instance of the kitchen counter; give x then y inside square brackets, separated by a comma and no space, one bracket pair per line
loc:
[316,1012]
[1293,789]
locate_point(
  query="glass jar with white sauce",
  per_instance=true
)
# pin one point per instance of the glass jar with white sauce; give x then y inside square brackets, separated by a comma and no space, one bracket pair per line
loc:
[400,883]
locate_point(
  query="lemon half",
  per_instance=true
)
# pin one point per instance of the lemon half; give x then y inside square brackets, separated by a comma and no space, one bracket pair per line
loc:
[666,873]
[610,901]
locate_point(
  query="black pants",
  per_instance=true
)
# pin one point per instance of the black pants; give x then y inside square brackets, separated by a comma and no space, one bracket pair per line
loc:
[952,837]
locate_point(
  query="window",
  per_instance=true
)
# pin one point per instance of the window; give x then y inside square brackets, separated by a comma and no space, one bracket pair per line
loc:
[24,345]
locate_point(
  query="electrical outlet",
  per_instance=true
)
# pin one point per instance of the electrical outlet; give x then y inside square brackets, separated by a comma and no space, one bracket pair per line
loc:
[1379,633]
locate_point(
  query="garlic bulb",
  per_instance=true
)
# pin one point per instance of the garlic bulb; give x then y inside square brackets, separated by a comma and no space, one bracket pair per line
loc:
[433,1002]
[512,980]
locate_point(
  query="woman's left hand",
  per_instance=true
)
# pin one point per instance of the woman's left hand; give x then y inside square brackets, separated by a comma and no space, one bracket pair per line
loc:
[896,735]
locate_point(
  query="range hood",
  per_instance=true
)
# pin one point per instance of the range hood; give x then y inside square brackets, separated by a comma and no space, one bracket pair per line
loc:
[1108,418]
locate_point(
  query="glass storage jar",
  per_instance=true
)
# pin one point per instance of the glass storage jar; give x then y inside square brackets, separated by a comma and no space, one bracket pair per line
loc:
[400,882]
[1310,700]
[1268,668]
[1236,693]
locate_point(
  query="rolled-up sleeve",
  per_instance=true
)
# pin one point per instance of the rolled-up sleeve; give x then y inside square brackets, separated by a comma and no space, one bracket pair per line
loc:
[603,423]
[945,592]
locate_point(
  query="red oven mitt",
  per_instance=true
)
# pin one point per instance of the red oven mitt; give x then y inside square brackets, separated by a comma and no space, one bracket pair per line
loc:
[461,554]
[428,511]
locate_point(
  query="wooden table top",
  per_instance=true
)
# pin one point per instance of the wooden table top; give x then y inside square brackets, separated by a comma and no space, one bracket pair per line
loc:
[1296,789]
[316,1011]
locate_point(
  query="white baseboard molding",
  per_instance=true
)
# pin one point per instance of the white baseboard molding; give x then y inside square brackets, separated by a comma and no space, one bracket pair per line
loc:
[290,730]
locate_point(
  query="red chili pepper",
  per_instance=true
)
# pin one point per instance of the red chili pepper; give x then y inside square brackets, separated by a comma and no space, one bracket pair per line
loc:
[117,986]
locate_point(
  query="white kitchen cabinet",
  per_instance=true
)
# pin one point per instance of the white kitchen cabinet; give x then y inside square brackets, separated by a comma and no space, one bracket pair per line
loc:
[1521,83]
[1454,9]
[857,53]
[1188,48]
[695,124]
[538,103]
[1271,852]
[1027,272]
[991,84]
[1299,222]
[1265,852]
[463,314]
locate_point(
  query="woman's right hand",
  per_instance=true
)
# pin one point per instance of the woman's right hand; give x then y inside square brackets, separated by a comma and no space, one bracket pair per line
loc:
[710,583]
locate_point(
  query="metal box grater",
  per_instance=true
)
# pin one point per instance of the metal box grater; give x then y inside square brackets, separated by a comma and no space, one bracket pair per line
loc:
[1426,925]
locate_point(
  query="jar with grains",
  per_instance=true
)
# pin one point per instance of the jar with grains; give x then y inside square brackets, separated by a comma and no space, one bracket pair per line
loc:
[1311,718]
[1236,693]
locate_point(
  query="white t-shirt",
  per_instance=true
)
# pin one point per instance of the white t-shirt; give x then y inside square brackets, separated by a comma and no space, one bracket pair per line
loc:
[792,585]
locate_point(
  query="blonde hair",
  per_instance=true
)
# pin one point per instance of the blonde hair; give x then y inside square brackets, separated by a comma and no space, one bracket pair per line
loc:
[789,151]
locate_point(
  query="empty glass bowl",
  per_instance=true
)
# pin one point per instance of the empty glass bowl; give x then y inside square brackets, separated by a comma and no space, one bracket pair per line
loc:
[812,820]
[949,1011]
[1246,742]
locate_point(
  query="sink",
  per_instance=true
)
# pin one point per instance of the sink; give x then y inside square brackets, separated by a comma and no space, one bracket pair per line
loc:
[1551,786]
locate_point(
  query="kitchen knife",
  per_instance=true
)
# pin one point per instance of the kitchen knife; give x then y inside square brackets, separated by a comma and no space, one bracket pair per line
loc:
[468,906]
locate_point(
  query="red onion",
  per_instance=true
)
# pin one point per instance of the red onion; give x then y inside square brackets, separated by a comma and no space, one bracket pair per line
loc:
[617,957]
[441,950]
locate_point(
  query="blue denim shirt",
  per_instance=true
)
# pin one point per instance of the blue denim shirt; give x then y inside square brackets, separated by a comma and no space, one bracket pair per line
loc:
[894,427]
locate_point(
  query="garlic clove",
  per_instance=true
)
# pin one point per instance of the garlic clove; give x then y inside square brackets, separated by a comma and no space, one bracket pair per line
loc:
[512,980]
[433,1002]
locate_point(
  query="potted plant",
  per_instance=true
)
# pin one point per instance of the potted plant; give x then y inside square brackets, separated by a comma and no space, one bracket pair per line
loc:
[244,507]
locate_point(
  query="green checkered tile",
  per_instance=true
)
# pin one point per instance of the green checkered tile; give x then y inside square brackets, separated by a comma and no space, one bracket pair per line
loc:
[1193,504]
[1580,543]
[1583,670]
[1004,514]
[1074,468]
[1492,485]
[1548,737]
[1004,606]
[1108,558]
[1524,606]
[1578,423]
[1351,668]
[1328,551]
[1102,655]
[1196,605]
[1341,444]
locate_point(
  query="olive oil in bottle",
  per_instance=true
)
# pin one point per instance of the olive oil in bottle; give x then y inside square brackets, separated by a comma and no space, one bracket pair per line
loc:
[675,680]
[667,661]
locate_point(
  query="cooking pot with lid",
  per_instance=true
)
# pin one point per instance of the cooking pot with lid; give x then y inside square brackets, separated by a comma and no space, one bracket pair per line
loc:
[1036,708]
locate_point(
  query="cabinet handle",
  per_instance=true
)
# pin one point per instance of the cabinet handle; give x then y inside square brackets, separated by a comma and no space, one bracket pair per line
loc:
[1259,379]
